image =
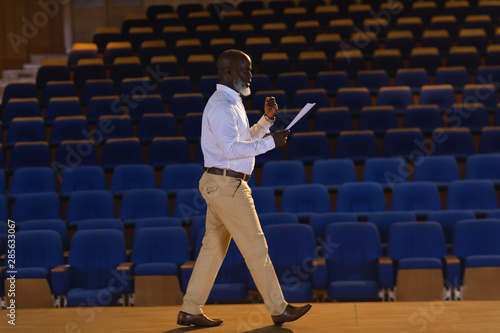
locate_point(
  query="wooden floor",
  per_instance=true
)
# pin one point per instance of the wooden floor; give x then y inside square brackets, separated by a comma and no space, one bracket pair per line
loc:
[401,317]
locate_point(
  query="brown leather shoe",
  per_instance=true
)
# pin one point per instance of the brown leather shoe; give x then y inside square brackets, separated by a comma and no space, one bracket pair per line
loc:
[187,319]
[291,313]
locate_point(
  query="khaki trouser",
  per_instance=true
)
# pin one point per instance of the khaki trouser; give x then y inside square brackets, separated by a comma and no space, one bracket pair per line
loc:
[231,212]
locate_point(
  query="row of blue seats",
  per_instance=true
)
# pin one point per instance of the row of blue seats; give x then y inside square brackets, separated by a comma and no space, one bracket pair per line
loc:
[350,271]
[307,147]
[388,172]
[355,197]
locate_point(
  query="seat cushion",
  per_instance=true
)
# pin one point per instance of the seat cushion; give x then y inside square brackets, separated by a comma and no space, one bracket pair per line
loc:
[414,263]
[367,289]
[483,261]
[31,273]
[77,297]
[156,268]
[228,292]
[297,292]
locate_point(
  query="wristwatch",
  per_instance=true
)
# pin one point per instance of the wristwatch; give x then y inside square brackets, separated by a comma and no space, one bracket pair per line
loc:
[271,120]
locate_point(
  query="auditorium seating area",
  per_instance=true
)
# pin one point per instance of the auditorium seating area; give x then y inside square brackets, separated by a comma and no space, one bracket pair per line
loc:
[388,190]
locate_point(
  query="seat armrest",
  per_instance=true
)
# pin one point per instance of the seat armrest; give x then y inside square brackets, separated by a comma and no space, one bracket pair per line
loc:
[386,272]
[61,279]
[188,265]
[125,279]
[186,271]
[319,272]
[125,266]
[453,271]
[2,269]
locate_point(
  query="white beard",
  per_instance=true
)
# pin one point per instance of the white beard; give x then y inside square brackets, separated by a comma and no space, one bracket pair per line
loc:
[242,88]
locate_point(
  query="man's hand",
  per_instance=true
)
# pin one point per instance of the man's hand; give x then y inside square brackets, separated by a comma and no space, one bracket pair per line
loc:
[270,107]
[280,137]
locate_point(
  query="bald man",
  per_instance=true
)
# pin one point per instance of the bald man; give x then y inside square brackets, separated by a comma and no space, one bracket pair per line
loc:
[229,148]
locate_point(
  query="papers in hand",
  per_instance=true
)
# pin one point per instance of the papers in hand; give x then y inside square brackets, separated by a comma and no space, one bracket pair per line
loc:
[301,114]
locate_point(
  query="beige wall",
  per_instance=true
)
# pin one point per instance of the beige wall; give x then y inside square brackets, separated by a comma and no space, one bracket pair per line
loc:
[28,27]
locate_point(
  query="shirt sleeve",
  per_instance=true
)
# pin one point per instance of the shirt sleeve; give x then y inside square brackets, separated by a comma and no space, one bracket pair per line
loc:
[224,123]
[260,128]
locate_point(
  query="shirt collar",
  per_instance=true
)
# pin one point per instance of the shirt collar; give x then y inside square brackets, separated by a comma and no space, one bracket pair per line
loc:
[230,92]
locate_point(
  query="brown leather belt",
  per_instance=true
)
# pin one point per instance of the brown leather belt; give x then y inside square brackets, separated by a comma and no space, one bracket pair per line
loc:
[228,172]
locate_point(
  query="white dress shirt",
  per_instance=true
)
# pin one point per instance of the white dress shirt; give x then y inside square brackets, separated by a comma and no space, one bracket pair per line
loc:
[227,141]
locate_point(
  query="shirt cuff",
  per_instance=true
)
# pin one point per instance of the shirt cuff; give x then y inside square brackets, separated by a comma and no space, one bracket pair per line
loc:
[263,123]
[269,142]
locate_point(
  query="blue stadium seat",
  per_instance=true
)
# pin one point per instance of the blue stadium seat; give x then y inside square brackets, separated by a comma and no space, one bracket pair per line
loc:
[36,206]
[418,262]
[84,205]
[180,176]
[356,145]
[406,143]
[378,119]
[483,166]
[62,106]
[332,121]
[82,178]
[436,169]
[353,273]
[134,176]
[425,117]
[71,154]
[25,130]
[448,219]
[453,141]
[95,88]
[153,125]
[290,245]
[319,223]
[68,128]
[280,174]
[360,198]
[474,244]
[304,200]
[333,173]
[476,195]
[29,154]
[140,203]
[384,220]
[121,151]
[107,250]
[387,171]
[309,147]
[418,197]
[32,180]
[164,151]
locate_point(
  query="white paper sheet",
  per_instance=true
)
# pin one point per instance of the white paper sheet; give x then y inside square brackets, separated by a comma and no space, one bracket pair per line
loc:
[301,114]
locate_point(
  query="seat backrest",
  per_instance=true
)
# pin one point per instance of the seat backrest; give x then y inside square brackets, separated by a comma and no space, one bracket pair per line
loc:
[416,239]
[311,198]
[416,196]
[36,206]
[160,244]
[133,176]
[352,250]
[277,218]
[181,176]
[32,179]
[471,194]
[283,173]
[141,203]
[83,178]
[483,166]
[90,205]
[39,248]
[94,256]
[386,171]
[333,172]
[290,245]
[476,237]
[360,197]
[436,169]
